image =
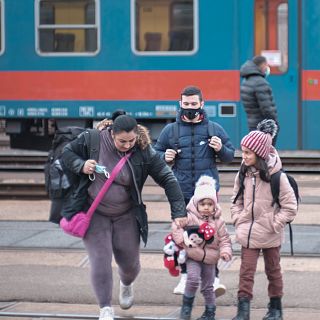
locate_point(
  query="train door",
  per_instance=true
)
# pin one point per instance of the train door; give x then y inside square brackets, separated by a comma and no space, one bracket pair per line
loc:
[270,28]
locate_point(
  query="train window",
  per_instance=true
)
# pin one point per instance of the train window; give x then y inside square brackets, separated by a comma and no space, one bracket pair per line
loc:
[67,27]
[164,27]
[227,110]
[211,110]
[1,27]
[271,33]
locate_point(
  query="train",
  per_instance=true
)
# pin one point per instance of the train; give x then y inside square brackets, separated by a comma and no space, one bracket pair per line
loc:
[73,62]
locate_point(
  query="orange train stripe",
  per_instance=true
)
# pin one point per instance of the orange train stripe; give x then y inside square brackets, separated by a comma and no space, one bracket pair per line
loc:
[117,85]
[311,85]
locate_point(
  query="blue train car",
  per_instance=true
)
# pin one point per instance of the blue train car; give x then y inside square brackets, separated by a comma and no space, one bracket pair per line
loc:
[73,62]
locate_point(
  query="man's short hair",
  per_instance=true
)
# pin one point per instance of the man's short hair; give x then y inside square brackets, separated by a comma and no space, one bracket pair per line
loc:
[259,60]
[192,91]
[117,113]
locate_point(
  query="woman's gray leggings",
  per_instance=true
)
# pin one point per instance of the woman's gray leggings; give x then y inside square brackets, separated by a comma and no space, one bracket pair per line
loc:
[120,236]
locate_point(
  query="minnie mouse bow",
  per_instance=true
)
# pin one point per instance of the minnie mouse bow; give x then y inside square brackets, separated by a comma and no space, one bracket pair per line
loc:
[207,230]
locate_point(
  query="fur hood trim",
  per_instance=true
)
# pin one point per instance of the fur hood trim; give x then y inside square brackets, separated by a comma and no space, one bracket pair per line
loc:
[143,133]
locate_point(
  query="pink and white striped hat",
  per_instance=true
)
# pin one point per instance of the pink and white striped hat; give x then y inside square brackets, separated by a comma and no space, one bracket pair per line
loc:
[258,142]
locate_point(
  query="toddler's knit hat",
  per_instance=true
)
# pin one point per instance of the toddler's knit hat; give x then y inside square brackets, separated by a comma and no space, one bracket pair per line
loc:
[205,189]
[259,141]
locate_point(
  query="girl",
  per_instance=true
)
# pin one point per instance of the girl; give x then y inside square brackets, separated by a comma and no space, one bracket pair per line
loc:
[259,226]
[204,212]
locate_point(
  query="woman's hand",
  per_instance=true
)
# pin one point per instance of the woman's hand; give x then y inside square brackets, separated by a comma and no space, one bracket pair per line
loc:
[89,166]
[225,257]
[181,222]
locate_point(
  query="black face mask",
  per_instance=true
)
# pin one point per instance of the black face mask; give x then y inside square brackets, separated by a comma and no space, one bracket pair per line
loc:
[191,113]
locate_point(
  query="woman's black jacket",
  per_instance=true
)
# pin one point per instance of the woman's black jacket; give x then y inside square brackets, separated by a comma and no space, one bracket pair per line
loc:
[143,162]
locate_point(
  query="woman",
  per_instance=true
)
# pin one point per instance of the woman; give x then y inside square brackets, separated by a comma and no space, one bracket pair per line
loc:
[120,217]
[259,224]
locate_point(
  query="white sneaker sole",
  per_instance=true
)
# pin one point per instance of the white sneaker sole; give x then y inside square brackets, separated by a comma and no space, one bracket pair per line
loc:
[220,291]
[178,292]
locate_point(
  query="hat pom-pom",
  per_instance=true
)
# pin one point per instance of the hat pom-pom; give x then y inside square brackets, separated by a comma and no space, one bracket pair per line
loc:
[206,181]
[268,126]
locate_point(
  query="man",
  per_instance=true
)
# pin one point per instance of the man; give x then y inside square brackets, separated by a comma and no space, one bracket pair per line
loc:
[256,93]
[189,146]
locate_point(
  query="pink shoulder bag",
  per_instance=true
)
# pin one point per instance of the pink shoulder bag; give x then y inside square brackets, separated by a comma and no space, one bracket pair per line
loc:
[79,223]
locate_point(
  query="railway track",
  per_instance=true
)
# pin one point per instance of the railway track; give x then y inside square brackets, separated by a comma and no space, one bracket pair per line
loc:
[42,236]
[34,188]
[17,160]
[13,163]
[293,161]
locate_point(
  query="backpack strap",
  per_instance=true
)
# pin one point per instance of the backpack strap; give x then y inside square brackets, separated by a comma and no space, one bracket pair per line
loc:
[211,129]
[291,238]
[275,190]
[92,138]
[175,129]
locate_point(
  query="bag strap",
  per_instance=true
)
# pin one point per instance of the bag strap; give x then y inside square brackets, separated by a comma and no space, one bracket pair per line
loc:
[92,138]
[106,185]
[176,135]
[211,129]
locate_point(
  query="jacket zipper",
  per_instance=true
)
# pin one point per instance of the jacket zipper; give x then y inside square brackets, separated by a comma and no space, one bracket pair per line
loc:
[252,211]
[135,182]
[192,156]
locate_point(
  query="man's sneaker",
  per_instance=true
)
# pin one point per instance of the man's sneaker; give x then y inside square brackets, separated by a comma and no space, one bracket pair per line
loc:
[219,289]
[126,296]
[179,289]
[106,313]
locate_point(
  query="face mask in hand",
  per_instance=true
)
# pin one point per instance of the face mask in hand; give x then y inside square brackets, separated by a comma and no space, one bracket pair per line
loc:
[267,71]
[191,113]
[102,169]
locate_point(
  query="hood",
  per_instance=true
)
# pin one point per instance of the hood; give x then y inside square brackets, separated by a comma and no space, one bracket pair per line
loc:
[274,161]
[143,137]
[249,68]
[191,208]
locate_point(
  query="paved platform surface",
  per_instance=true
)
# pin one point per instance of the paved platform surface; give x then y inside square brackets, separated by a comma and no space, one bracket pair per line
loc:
[57,282]
[45,273]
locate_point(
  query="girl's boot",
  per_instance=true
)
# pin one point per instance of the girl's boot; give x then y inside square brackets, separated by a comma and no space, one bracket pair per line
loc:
[243,309]
[209,313]
[274,309]
[185,313]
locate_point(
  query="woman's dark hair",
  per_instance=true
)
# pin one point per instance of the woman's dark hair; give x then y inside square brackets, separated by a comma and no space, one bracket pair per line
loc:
[124,123]
[260,165]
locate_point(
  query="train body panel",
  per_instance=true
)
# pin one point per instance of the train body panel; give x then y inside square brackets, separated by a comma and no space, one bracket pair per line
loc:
[58,67]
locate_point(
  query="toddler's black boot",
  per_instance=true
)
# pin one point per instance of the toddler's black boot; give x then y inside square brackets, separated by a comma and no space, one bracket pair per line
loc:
[243,312]
[185,313]
[274,309]
[209,313]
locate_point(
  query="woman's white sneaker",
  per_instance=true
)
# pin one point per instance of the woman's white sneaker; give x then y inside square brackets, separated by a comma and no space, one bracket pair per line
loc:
[106,313]
[126,296]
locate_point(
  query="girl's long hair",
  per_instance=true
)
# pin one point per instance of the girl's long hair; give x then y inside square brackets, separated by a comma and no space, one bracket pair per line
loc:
[261,165]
